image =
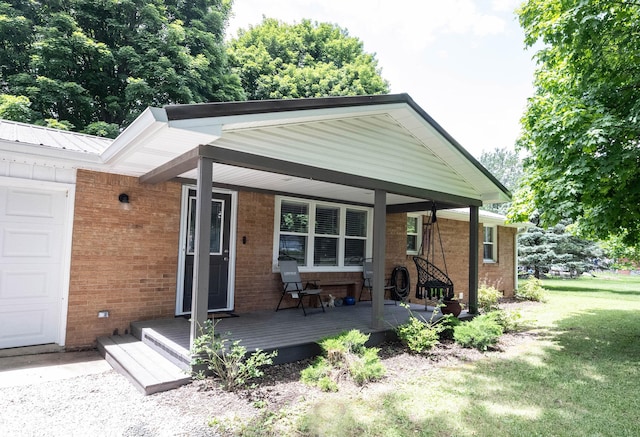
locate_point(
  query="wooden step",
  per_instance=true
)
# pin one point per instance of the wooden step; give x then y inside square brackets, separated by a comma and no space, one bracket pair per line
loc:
[166,337]
[145,368]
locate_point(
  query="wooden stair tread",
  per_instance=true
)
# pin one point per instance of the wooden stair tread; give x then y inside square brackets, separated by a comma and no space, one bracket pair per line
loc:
[149,371]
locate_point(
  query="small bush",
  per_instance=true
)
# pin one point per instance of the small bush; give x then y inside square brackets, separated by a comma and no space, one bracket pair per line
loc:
[509,320]
[231,365]
[479,333]
[447,324]
[419,336]
[344,355]
[488,298]
[531,289]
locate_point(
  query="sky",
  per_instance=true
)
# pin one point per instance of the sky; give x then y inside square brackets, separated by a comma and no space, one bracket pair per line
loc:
[462,61]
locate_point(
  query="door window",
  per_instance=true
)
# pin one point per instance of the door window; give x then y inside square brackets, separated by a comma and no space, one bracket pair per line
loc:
[215,242]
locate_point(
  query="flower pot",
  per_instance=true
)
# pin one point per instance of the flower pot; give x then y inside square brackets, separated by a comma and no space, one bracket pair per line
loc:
[451,307]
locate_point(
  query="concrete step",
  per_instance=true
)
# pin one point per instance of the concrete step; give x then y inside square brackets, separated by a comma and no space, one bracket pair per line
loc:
[145,368]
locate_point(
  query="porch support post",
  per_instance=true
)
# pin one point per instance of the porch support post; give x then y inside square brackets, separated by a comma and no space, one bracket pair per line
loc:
[473,259]
[379,253]
[200,292]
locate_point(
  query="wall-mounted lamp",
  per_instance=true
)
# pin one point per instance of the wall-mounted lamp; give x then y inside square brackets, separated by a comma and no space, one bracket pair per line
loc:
[123,198]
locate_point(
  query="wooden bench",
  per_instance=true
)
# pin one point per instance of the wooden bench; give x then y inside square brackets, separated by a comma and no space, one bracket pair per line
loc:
[349,286]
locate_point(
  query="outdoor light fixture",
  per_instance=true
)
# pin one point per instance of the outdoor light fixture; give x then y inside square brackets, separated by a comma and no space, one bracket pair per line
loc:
[123,198]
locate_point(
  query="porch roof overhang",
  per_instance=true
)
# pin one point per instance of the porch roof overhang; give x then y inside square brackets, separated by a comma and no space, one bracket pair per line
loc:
[338,148]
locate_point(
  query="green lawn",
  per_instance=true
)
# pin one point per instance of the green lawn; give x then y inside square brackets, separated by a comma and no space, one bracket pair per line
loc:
[578,376]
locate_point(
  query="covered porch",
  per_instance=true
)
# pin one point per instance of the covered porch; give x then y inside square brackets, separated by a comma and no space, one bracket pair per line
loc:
[379,152]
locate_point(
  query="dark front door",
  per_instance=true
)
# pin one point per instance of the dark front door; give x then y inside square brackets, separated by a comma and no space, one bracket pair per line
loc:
[218,247]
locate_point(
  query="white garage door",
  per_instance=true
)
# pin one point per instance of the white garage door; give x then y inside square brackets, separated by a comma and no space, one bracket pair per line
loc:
[32,246]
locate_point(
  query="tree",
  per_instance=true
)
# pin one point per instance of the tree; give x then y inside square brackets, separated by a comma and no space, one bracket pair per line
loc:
[557,248]
[276,60]
[81,62]
[506,166]
[582,126]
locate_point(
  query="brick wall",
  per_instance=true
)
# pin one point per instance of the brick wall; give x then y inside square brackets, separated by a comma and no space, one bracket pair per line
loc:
[126,261]
[454,234]
[123,261]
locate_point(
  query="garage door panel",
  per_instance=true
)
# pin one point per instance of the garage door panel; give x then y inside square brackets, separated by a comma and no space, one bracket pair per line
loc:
[32,205]
[18,282]
[30,241]
[28,324]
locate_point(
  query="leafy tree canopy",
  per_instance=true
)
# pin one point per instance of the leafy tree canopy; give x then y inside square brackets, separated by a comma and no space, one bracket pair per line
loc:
[506,166]
[556,247]
[276,60]
[81,62]
[582,125]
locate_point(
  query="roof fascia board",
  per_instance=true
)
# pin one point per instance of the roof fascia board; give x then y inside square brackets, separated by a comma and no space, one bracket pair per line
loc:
[224,109]
[149,122]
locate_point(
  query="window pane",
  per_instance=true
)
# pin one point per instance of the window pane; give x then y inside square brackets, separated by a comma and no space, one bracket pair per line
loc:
[325,252]
[327,221]
[412,225]
[215,240]
[353,252]
[356,223]
[412,243]
[294,246]
[488,235]
[488,251]
[294,217]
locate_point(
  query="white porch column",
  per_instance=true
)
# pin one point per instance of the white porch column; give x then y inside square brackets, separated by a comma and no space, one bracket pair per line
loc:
[379,254]
[200,292]
[473,259]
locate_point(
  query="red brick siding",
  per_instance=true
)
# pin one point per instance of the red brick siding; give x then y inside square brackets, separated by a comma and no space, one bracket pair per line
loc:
[123,261]
[126,261]
[454,234]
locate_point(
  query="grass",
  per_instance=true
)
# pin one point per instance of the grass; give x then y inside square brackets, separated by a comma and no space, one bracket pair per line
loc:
[579,376]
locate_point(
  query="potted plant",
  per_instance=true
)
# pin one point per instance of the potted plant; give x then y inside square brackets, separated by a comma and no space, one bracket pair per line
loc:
[450,305]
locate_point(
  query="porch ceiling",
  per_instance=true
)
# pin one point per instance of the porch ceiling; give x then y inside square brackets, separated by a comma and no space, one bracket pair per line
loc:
[382,138]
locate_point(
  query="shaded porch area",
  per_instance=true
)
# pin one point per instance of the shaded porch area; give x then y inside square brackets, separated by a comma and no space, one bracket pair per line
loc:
[292,334]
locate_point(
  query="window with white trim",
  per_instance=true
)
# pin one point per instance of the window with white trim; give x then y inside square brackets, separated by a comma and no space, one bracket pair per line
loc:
[414,233]
[321,235]
[490,244]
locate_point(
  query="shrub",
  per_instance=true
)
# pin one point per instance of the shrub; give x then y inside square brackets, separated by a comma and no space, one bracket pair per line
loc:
[419,336]
[479,333]
[344,355]
[447,324]
[230,364]
[509,320]
[488,298]
[531,289]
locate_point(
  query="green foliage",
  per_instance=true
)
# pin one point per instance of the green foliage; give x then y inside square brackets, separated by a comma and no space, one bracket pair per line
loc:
[479,333]
[447,324]
[16,108]
[488,298]
[228,363]
[531,289]
[102,129]
[418,335]
[581,126]
[277,60]
[82,61]
[510,321]
[505,164]
[556,247]
[344,355]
